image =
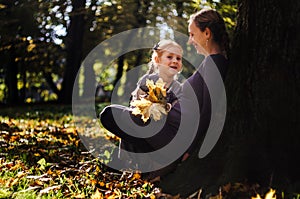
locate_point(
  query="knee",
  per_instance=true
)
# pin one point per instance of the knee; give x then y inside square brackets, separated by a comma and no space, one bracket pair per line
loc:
[104,114]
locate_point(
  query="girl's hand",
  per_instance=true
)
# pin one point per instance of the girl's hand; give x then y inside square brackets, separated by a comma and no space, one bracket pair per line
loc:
[168,107]
[185,156]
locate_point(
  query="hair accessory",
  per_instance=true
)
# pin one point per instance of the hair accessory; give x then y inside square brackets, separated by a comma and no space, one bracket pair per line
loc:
[156,47]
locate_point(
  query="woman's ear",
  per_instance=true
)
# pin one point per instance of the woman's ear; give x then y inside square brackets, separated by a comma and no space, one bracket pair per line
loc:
[207,32]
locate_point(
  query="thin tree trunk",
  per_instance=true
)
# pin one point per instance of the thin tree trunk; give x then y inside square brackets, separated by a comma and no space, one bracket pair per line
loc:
[11,78]
[24,80]
[89,85]
[51,84]
[120,70]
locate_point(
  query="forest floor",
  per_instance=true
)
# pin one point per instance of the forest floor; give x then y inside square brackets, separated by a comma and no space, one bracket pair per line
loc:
[43,156]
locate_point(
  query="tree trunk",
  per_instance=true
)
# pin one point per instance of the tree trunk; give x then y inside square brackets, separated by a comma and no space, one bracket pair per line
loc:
[120,70]
[50,82]
[264,128]
[259,142]
[74,50]
[24,81]
[11,78]
[89,84]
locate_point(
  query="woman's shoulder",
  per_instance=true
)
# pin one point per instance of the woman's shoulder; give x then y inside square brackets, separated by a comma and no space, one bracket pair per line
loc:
[220,57]
[218,60]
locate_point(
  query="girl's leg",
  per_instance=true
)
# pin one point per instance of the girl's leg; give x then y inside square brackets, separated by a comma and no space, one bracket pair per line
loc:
[115,116]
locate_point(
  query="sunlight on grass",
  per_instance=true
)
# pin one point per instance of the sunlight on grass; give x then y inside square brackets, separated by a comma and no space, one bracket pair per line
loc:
[41,156]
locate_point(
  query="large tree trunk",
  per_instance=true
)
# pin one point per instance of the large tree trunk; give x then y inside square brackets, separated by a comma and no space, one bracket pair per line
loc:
[264,100]
[74,50]
[260,140]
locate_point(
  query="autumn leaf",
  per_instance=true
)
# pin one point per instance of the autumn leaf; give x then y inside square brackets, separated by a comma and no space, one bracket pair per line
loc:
[47,158]
[156,110]
[154,104]
[157,93]
[269,195]
[48,189]
[141,107]
[97,195]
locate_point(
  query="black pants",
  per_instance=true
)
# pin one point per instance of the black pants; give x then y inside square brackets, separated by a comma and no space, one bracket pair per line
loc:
[118,120]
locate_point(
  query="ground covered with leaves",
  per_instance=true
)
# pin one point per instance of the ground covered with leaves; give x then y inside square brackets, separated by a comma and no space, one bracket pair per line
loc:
[41,156]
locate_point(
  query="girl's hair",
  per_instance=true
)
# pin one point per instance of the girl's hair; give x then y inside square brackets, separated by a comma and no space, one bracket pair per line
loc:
[209,18]
[159,49]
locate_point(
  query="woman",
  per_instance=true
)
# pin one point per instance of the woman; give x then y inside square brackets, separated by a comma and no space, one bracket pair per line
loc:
[182,131]
[207,32]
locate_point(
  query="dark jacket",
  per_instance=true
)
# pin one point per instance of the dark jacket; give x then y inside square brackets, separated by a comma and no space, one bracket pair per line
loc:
[185,126]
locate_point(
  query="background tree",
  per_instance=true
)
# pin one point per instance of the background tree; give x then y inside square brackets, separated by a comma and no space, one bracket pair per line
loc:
[258,143]
[44,49]
[74,42]
[15,32]
[29,56]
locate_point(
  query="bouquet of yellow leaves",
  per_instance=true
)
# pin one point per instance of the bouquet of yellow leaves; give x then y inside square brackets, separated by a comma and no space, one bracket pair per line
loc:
[154,104]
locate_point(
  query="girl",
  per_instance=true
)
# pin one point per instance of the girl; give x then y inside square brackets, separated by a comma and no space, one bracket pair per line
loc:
[166,63]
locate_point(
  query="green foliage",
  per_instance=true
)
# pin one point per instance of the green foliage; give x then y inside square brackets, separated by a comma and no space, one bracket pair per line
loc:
[34,35]
[25,44]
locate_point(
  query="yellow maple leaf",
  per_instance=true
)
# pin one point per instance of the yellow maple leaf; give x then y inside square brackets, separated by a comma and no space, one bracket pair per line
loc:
[156,110]
[97,195]
[154,104]
[269,195]
[141,107]
[157,92]
[145,108]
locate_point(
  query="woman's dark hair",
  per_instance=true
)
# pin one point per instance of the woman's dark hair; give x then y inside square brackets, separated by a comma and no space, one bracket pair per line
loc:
[209,18]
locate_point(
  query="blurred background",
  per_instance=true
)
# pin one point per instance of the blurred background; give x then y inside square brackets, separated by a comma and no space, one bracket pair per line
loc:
[43,43]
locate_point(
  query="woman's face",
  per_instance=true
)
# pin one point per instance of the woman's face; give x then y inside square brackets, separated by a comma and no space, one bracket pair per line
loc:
[197,38]
[170,62]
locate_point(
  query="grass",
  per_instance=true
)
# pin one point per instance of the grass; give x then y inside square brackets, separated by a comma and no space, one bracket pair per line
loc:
[42,157]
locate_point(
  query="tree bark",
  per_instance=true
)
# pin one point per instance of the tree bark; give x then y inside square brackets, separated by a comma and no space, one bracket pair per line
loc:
[74,50]
[11,77]
[50,82]
[89,84]
[259,140]
[264,129]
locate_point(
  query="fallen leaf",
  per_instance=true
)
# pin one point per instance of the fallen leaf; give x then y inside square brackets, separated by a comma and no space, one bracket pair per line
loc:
[48,189]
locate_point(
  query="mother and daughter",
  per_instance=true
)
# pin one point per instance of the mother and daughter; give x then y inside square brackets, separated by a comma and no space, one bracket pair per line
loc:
[207,33]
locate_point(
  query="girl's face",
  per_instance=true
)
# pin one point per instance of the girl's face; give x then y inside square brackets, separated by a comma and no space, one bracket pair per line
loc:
[197,38]
[170,62]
